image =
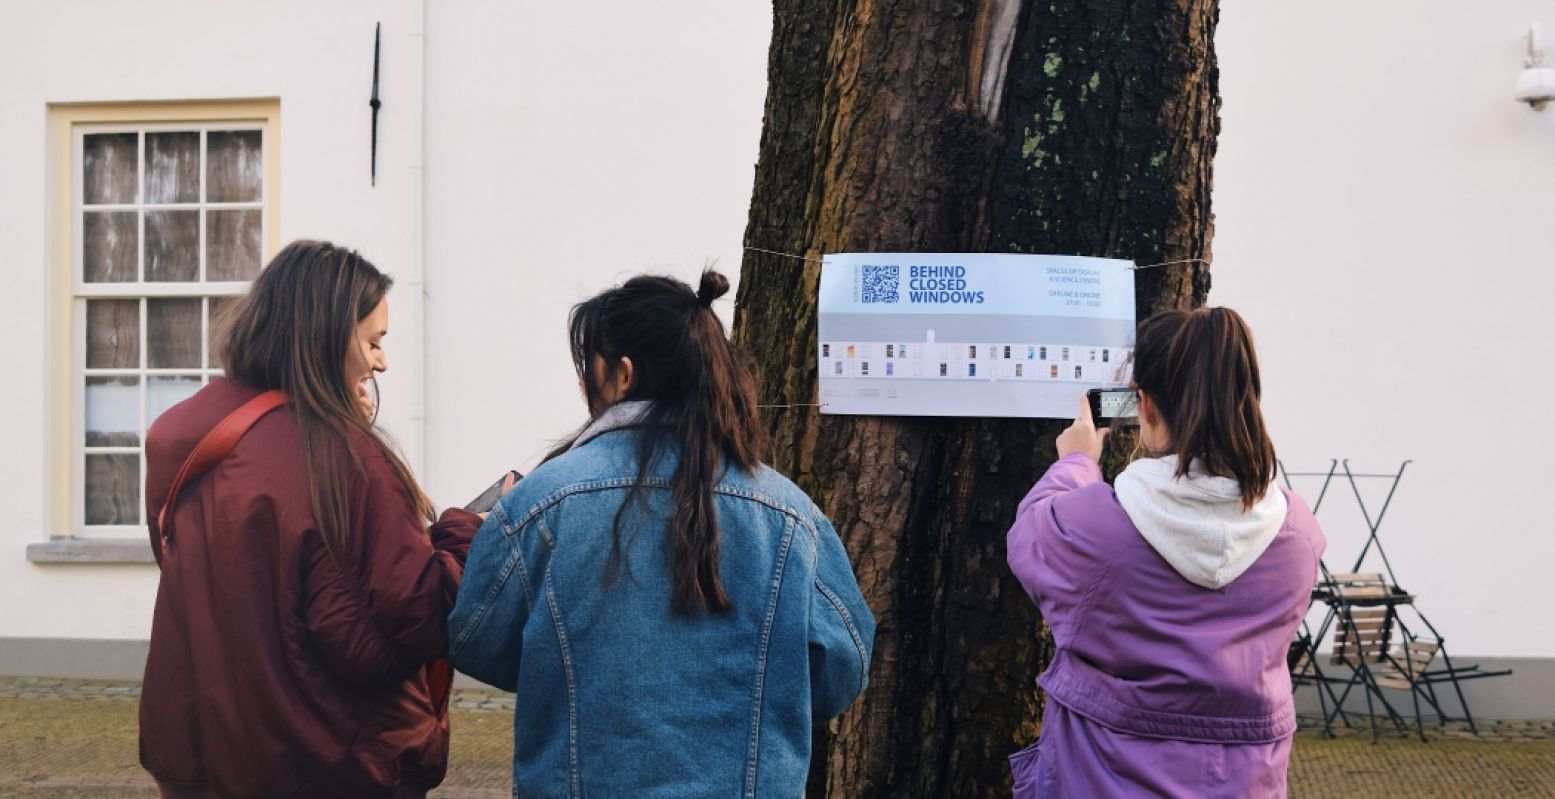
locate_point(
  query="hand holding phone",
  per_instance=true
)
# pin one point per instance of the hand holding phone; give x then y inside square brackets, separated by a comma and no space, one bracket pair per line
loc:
[488,498]
[1083,436]
[1114,407]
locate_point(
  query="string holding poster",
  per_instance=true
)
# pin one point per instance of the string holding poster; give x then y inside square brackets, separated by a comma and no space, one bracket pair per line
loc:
[944,334]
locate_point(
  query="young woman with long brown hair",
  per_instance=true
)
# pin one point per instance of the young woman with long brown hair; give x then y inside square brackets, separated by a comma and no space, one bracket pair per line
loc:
[673,614]
[1173,595]
[305,584]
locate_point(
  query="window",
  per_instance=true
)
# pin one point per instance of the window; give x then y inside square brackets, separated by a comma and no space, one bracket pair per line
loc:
[169,221]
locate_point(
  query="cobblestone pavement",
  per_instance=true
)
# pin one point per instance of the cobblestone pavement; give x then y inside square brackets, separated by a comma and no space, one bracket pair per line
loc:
[74,739]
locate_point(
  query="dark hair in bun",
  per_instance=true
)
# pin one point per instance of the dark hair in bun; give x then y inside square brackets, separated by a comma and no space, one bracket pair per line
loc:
[714,285]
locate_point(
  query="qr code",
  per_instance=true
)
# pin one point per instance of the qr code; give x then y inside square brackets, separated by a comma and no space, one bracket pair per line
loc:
[880,283]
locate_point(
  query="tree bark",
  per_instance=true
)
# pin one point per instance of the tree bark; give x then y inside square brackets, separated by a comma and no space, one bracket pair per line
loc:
[1079,127]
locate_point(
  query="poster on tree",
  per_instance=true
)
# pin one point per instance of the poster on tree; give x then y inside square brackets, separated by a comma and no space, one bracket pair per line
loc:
[947,334]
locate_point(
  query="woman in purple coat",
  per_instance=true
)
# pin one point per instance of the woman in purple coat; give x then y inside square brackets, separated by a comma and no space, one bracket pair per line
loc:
[1174,595]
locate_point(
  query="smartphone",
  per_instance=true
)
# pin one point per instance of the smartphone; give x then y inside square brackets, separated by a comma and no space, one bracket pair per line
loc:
[488,498]
[1117,407]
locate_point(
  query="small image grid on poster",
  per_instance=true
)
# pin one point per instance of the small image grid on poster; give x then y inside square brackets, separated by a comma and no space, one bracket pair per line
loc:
[1023,361]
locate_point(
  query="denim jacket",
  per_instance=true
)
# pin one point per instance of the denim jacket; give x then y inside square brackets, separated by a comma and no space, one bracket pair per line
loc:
[616,695]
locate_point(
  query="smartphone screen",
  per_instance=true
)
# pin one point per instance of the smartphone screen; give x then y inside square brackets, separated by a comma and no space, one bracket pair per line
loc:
[1109,406]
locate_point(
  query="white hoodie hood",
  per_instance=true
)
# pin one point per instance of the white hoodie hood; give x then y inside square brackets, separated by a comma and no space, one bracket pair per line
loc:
[1196,522]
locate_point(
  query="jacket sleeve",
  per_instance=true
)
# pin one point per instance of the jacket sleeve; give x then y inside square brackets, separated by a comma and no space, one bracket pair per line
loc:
[486,628]
[1049,553]
[842,629]
[379,613]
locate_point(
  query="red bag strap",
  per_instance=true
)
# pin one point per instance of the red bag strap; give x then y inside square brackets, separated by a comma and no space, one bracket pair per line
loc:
[215,446]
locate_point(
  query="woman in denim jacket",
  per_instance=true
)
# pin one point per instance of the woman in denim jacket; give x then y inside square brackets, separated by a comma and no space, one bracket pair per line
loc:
[674,615]
[1172,597]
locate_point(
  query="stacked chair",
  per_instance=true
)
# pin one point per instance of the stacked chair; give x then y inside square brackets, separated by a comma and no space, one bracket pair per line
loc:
[1381,643]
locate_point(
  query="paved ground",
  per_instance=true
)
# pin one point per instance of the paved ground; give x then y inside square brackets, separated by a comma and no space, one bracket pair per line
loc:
[70,739]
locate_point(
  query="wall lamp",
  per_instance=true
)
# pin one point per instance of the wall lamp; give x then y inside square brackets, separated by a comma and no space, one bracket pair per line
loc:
[1536,84]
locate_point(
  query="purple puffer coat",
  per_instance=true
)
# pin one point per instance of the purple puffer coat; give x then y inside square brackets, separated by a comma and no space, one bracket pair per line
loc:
[1160,687]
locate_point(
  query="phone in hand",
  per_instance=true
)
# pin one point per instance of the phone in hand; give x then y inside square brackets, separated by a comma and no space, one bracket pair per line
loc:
[488,498]
[1114,407]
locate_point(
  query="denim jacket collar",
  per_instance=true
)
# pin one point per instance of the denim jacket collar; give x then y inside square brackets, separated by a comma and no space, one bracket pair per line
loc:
[627,413]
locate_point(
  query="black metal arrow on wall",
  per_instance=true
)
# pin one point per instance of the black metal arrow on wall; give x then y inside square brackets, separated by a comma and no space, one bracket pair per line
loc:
[374,102]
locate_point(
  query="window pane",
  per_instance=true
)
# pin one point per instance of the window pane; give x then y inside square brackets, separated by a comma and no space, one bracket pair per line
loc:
[112,489]
[108,168]
[113,334]
[220,308]
[172,246]
[165,392]
[232,245]
[234,169]
[112,411]
[173,333]
[173,167]
[109,240]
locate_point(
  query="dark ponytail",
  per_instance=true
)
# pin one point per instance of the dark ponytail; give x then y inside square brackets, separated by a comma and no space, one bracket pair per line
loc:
[1201,371]
[703,396]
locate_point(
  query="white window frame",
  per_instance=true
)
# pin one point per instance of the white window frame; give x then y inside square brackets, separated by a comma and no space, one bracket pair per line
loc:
[69,450]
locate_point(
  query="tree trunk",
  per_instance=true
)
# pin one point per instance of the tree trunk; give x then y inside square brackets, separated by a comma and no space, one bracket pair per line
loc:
[1078,127]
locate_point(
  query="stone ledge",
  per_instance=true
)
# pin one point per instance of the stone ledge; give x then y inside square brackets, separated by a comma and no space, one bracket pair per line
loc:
[91,550]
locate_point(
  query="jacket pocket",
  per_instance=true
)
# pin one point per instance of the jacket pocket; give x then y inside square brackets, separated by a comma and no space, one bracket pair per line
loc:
[1024,767]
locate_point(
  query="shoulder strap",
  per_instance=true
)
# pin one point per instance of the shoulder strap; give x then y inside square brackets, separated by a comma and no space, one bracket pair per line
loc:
[213,447]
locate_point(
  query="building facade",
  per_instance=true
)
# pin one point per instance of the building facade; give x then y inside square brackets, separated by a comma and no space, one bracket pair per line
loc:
[1380,199]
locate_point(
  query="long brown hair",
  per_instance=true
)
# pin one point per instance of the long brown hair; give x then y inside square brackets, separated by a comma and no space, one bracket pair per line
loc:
[1201,371]
[703,396]
[292,332]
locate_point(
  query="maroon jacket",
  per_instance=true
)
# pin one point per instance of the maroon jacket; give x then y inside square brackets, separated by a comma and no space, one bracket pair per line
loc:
[277,670]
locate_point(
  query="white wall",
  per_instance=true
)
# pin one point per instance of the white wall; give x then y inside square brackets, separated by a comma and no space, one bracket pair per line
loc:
[569,149]
[317,57]
[563,153]
[1371,165]
[1383,221]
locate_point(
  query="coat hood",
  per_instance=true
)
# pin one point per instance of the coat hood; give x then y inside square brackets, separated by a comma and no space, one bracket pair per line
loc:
[1197,522]
[622,415]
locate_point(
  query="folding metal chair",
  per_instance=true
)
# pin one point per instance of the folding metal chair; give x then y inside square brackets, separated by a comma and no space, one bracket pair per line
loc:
[1374,640]
[1363,634]
[1302,660]
[1363,611]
